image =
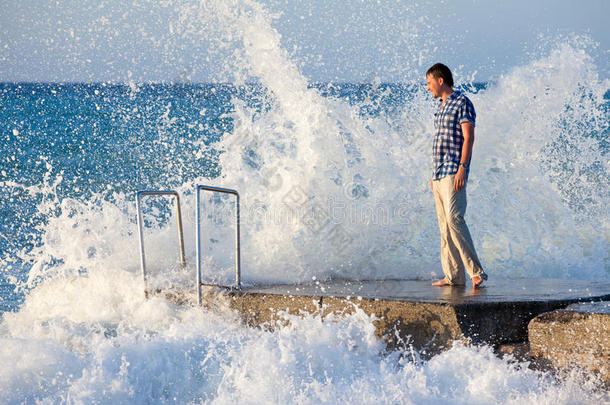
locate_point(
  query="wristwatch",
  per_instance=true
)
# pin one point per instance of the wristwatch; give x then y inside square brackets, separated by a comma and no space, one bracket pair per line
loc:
[464,165]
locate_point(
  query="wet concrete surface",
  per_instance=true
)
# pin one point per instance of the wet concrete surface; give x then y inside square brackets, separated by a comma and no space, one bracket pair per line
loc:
[494,291]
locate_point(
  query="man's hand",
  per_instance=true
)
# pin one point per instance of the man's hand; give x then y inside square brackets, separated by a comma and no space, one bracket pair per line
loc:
[460,179]
[431,188]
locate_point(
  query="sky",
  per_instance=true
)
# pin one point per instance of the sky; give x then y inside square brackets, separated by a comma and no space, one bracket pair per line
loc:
[349,40]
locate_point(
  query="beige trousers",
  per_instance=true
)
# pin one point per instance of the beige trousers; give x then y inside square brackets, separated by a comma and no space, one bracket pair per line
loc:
[457,250]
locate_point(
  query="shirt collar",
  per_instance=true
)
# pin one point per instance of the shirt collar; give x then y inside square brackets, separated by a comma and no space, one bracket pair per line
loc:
[451,97]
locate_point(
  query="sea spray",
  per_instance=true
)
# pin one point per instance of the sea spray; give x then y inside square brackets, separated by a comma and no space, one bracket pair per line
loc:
[334,180]
[353,187]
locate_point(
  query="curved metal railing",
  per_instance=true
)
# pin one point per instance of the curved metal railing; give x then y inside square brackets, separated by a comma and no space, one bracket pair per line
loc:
[237,235]
[139,196]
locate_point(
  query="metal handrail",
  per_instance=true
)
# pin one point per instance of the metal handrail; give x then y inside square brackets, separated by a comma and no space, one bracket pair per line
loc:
[139,195]
[237,244]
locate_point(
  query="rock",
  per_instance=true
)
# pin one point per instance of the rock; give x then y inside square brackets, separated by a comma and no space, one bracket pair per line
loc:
[519,351]
[577,336]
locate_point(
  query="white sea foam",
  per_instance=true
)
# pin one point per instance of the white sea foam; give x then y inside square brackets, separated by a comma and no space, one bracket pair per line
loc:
[95,339]
[86,334]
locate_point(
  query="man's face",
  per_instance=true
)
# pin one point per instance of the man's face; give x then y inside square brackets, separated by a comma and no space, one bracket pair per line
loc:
[434,85]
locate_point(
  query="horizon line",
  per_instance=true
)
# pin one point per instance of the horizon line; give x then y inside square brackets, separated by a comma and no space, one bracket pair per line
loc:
[112,83]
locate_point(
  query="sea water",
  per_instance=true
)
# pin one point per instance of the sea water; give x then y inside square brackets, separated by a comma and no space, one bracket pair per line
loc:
[334,183]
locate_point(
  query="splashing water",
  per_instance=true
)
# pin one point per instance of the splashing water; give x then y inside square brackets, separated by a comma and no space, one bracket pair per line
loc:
[116,347]
[334,180]
[345,193]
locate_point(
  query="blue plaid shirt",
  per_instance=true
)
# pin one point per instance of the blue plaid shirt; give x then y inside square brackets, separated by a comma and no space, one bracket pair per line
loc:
[448,141]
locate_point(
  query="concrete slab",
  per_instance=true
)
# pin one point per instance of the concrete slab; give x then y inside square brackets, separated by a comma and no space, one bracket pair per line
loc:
[494,291]
[412,311]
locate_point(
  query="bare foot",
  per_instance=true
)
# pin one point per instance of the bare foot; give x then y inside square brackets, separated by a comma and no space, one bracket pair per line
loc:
[477,281]
[441,282]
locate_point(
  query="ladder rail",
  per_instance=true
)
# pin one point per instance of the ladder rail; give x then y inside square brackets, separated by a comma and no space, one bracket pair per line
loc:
[198,233]
[139,196]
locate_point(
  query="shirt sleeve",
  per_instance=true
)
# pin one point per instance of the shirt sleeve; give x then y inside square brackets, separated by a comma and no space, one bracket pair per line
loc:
[466,112]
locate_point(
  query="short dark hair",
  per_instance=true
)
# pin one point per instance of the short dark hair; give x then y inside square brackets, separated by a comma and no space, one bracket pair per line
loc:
[439,70]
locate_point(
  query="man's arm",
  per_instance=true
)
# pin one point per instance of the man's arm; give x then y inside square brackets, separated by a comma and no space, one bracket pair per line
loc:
[468,133]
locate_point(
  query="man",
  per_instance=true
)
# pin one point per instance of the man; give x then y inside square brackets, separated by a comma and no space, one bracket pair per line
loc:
[452,149]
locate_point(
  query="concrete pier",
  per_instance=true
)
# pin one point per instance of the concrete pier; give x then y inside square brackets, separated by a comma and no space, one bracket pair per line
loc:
[412,311]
